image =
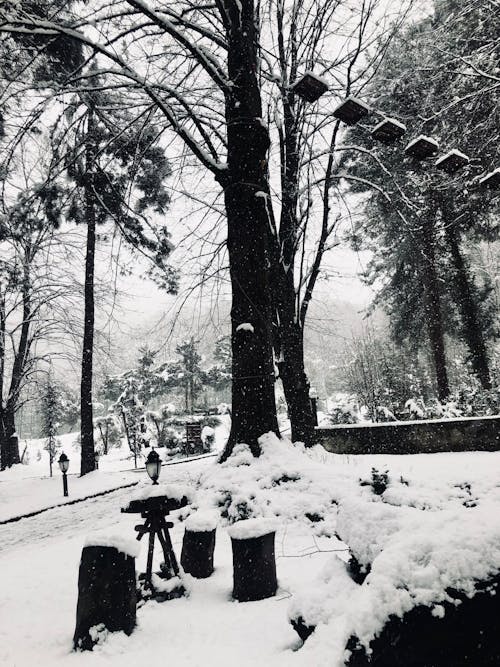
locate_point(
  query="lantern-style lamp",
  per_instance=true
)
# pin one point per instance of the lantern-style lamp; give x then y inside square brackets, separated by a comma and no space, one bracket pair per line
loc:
[63,462]
[351,110]
[491,180]
[153,465]
[452,161]
[388,131]
[310,87]
[422,147]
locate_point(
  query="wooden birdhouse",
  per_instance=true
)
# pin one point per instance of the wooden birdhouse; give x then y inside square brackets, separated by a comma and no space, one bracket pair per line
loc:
[310,87]
[422,147]
[351,110]
[452,161]
[491,180]
[388,131]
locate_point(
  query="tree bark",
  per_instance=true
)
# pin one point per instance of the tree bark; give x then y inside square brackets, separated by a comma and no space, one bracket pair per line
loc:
[432,296]
[253,401]
[469,311]
[296,385]
[87,423]
[11,445]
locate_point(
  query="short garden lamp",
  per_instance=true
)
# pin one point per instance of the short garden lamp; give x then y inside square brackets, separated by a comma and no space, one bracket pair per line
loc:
[64,465]
[153,465]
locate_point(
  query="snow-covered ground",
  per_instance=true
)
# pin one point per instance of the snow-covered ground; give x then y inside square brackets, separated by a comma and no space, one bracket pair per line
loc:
[435,525]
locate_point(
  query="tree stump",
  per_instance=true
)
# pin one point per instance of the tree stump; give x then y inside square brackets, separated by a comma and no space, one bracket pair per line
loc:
[106,594]
[254,565]
[197,557]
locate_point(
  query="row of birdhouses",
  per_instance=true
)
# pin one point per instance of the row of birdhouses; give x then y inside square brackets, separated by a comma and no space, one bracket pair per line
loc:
[310,87]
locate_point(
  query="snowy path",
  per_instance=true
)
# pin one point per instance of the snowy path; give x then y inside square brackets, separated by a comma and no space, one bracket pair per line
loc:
[65,521]
[94,514]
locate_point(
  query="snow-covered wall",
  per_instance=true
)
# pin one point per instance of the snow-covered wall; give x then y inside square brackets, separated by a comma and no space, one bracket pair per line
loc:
[415,437]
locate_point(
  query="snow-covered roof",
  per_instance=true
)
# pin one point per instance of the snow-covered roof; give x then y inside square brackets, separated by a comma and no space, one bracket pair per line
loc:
[451,154]
[422,137]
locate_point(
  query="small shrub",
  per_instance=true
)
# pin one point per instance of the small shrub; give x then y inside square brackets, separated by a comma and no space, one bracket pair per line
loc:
[379,481]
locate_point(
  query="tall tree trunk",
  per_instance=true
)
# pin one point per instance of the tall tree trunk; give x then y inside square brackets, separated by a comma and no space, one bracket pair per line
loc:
[469,311]
[4,452]
[432,296]
[87,423]
[11,445]
[253,401]
[296,384]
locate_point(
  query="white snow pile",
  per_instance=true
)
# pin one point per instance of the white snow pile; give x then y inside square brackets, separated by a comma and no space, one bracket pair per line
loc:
[245,326]
[126,545]
[172,491]
[250,528]
[416,558]
[202,522]
[280,483]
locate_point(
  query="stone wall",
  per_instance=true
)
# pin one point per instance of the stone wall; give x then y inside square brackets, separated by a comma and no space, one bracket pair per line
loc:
[413,437]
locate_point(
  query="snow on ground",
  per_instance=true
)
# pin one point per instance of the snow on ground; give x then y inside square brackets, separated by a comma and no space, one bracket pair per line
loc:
[115,470]
[435,524]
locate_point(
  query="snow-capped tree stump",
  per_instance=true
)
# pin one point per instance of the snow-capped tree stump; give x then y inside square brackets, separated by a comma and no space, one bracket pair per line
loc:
[106,592]
[465,633]
[254,565]
[197,557]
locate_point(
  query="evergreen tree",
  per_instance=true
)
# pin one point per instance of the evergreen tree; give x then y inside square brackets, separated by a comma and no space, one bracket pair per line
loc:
[417,220]
[52,409]
[191,375]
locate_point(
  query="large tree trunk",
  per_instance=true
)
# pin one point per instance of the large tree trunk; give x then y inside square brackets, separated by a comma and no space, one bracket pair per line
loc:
[253,401]
[469,311]
[432,296]
[9,444]
[296,384]
[87,423]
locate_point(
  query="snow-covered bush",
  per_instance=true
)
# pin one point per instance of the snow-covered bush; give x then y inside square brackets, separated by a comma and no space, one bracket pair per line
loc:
[277,484]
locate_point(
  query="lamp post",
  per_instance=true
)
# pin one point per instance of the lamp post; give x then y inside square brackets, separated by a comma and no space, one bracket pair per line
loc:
[153,465]
[313,397]
[64,465]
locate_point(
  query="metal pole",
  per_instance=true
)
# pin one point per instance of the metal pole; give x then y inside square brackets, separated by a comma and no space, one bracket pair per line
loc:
[65,484]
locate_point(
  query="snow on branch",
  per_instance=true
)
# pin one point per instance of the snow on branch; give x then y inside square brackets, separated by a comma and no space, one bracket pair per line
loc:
[34,26]
[206,59]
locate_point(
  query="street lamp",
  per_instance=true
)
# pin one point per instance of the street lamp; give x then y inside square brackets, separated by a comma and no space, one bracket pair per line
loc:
[64,465]
[153,465]
[313,397]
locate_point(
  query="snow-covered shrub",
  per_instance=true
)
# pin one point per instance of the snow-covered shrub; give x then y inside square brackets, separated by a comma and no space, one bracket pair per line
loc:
[415,408]
[342,409]
[342,415]
[383,414]
[208,437]
[379,481]
[246,487]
